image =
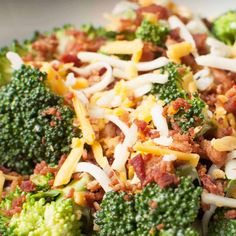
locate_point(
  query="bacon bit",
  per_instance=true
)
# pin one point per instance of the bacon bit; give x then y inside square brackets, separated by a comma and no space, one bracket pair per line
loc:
[150,51]
[153,204]
[53,123]
[160,11]
[223,78]
[70,58]
[222,132]
[62,160]
[231,214]
[93,197]
[126,197]
[69,96]
[230,105]
[190,61]
[49,111]
[16,206]
[180,103]
[200,40]
[71,193]
[160,226]
[210,186]
[102,71]
[162,173]
[175,35]
[138,163]
[215,156]
[93,186]
[27,186]
[46,46]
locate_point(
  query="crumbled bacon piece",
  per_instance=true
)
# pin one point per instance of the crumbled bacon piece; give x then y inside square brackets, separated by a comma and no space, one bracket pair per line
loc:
[230,214]
[210,186]
[27,186]
[180,103]
[71,58]
[138,163]
[160,11]
[215,156]
[200,40]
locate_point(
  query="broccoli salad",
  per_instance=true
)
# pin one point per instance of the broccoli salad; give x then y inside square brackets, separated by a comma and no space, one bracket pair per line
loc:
[127,129]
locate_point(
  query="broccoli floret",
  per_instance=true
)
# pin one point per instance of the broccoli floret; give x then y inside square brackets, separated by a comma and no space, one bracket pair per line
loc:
[190,231]
[220,226]
[41,218]
[172,210]
[155,33]
[192,116]
[173,207]
[41,181]
[35,124]
[224,27]
[47,213]
[117,216]
[173,89]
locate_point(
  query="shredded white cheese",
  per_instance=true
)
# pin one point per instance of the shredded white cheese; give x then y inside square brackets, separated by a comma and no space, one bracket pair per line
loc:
[217,62]
[175,22]
[115,62]
[218,200]
[96,172]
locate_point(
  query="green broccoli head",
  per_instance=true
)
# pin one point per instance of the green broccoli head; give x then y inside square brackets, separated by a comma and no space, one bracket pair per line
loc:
[224,27]
[192,116]
[173,207]
[153,211]
[117,216]
[35,124]
[154,33]
[220,226]
[173,89]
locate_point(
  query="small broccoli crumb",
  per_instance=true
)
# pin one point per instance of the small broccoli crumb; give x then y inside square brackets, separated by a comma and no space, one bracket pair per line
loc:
[224,27]
[155,33]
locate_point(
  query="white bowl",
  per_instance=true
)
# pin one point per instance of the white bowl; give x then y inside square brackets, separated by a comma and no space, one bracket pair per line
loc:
[20,18]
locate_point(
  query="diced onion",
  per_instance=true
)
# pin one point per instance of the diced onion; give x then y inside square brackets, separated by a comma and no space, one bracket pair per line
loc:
[15,59]
[121,151]
[115,62]
[96,172]
[218,200]
[159,120]
[175,22]
[163,141]
[217,62]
